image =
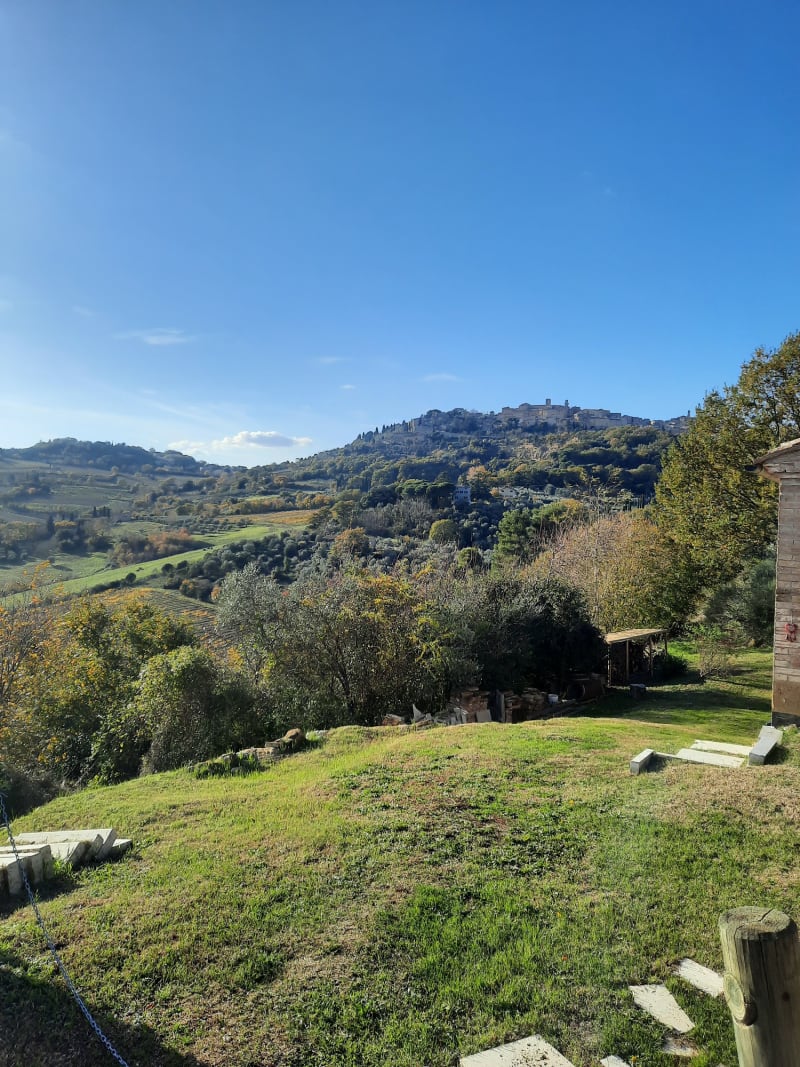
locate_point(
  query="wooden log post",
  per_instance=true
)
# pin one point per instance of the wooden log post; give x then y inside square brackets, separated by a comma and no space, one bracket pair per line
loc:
[761,952]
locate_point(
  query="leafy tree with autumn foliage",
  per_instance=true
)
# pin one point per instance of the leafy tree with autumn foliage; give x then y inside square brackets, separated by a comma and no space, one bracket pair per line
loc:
[627,570]
[72,695]
[23,632]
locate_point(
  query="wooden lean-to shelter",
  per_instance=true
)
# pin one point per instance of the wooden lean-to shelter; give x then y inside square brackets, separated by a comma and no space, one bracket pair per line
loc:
[631,654]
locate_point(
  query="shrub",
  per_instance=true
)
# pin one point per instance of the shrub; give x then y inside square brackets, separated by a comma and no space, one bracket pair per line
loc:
[670,666]
[714,648]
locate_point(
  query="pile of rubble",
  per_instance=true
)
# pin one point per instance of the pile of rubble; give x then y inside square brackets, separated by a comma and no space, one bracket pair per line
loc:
[37,853]
[475,705]
[252,759]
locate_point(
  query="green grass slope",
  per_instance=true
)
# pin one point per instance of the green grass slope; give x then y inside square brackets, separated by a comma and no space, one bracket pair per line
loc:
[398,899]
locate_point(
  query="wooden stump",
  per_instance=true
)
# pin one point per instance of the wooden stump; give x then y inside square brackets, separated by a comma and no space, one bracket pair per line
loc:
[761,951]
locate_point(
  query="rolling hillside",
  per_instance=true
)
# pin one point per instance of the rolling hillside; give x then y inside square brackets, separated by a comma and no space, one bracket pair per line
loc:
[102,514]
[392,897]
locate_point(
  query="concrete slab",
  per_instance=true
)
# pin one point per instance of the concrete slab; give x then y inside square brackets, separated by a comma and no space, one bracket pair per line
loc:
[769,738]
[640,762]
[722,746]
[702,978]
[657,1001]
[71,852]
[529,1052]
[713,759]
[98,841]
[41,868]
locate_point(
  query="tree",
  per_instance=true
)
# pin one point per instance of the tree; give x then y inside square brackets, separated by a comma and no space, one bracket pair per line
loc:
[23,631]
[349,543]
[626,569]
[344,648]
[747,603]
[709,500]
[524,532]
[176,709]
[527,629]
[75,692]
[443,530]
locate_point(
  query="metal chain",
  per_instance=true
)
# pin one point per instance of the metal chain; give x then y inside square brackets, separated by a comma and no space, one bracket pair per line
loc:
[62,969]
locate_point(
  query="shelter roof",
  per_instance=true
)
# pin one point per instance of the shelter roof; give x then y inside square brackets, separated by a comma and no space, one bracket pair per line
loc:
[632,635]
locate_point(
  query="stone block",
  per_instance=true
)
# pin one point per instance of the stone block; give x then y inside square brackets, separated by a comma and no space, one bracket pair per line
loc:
[11,875]
[639,763]
[120,847]
[99,841]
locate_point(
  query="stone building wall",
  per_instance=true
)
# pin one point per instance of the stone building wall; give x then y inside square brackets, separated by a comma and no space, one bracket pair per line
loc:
[786,669]
[783,466]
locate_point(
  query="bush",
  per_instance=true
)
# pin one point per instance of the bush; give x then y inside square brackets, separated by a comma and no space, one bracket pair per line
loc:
[670,666]
[231,763]
[714,647]
[21,793]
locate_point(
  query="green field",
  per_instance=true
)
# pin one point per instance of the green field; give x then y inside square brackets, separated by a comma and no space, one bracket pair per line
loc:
[71,574]
[401,898]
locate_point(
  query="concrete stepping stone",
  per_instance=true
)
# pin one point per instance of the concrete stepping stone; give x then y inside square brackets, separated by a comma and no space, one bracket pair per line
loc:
[702,978]
[722,746]
[614,1061]
[37,860]
[714,759]
[72,852]
[529,1052]
[657,1001]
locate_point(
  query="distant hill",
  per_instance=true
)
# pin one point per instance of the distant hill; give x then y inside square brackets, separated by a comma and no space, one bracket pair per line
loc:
[105,455]
[530,446]
[105,513]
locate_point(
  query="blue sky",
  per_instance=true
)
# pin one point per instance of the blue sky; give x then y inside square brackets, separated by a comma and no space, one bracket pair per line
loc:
[253,229]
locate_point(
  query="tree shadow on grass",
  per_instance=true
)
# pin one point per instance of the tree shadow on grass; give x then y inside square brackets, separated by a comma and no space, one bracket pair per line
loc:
[660,703]
[42,1026]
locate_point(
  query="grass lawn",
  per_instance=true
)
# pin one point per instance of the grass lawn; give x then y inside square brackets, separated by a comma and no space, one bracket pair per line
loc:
[398,899]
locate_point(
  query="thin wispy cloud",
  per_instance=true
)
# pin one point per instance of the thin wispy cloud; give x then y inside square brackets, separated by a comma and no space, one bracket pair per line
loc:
[5,305]
[441,377]
[329,361]
[157,337]
[83,312]
[348,386]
